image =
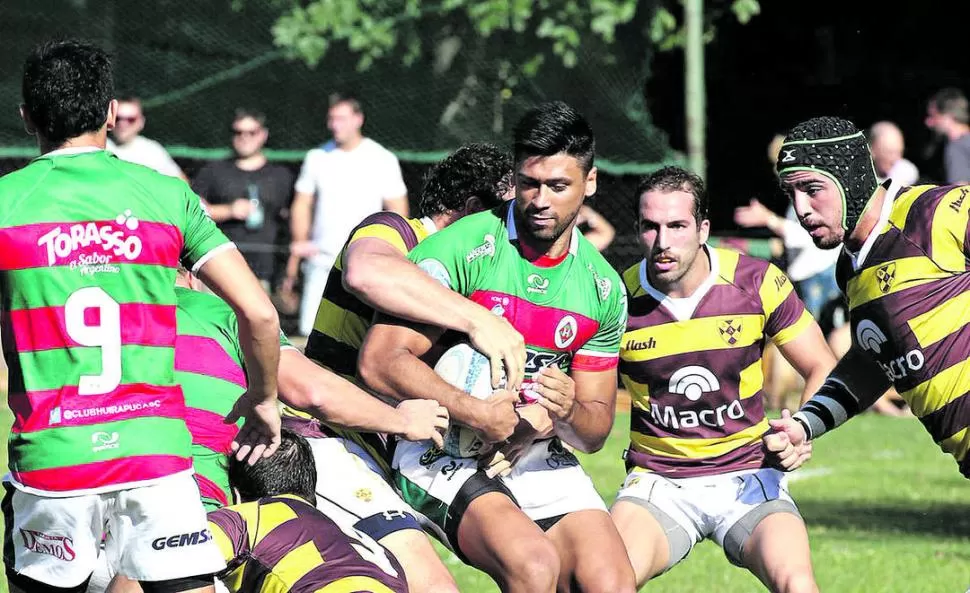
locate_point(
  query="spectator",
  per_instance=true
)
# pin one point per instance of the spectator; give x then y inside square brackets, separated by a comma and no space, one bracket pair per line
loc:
[886,144]
[947,114]
[349,177]
[247,196]
[129,145]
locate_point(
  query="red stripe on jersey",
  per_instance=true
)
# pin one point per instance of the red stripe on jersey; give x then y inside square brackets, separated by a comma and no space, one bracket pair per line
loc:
[89,243]
[204,356]
[586,362]
[209,489]
[39,410]
[210,430]
[44,328]
[99,474]
[541,326]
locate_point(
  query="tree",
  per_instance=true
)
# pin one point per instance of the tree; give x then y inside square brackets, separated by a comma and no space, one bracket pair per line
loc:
[377,29]
[497,57]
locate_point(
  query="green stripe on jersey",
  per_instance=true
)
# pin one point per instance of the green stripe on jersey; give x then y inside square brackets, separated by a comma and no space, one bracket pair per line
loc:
[66,446]
[209,393]
[134,283]
[52,369]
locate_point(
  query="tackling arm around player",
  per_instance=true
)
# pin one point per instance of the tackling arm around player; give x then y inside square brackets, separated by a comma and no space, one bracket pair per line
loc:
[542,527]
[691,358]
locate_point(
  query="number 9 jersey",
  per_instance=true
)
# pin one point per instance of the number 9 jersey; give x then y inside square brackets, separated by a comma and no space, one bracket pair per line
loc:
[91,245]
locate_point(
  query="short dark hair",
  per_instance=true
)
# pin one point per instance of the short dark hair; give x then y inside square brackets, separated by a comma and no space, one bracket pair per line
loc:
[349,99]
[480,171]
[552,128]
[669,179]
[247,113]
[951,101]
[67,87]
[291,470]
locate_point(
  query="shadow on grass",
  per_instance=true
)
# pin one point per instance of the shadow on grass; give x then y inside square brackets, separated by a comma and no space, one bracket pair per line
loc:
[932,519]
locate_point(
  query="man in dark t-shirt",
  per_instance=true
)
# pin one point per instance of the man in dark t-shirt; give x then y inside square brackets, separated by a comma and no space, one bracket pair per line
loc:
[247,196]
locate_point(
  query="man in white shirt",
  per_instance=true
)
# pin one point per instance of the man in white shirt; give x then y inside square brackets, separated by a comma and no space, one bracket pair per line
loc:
[340,184]
[128,144]
[886,145]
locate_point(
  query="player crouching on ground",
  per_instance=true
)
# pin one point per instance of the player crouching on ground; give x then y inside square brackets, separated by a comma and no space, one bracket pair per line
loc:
[691,358]
[276,540]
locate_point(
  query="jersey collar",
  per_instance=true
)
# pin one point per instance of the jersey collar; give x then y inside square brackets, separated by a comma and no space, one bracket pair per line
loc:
[72,150]
[514,234]
[887,208]
[429,225]
[683,308]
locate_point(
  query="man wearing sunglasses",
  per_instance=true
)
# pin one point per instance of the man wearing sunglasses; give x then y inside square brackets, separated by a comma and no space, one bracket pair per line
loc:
[248,196]
[128,144]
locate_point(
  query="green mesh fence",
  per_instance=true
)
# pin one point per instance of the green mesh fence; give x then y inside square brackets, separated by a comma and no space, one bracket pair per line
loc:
[193,63]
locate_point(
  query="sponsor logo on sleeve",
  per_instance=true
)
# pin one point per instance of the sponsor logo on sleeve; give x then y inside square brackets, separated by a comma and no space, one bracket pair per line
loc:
[874,340]
[486,248]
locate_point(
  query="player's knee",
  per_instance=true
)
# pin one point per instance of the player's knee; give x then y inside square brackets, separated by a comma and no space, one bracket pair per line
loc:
[609,577]
[800,580]
[535,565]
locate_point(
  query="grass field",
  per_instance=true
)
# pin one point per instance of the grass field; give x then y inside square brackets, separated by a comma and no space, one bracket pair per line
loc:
[887,513]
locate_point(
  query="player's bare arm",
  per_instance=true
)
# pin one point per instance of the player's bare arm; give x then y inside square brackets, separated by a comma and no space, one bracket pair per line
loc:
[326,395]
[855,384]
[812,358]
[389,363]
[380,275]
[582,406]
[301,216]
[228,275]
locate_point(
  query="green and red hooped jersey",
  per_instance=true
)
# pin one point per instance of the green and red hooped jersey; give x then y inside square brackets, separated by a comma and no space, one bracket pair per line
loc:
[572,314]
[90,248]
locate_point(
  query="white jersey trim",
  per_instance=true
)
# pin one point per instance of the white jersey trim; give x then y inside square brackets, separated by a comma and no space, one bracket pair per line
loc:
[597,354]
[72,150]
[887,209]
[102,490]
[211,254]
[514,233]
[683,308]
[429,225]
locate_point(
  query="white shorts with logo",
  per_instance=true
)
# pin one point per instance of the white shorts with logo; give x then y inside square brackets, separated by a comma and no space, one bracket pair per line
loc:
[546,483]
[350,478]
[725,508]
[151,533]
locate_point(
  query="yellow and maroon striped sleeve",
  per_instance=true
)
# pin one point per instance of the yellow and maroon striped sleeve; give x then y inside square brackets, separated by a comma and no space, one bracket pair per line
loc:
[389,227]
[785,314]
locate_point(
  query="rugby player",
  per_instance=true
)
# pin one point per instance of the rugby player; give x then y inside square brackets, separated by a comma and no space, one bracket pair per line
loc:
[275,540]
[904,271]
[373,271]
[698,322]
[209,367]
[543,526]
[90,249]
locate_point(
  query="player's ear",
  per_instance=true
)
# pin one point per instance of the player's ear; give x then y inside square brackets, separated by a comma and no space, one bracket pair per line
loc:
[29,126]
[705,230]
[591,182]
[473,205]
[112,115]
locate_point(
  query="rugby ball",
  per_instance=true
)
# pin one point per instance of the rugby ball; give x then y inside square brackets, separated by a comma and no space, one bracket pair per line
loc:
[467,369]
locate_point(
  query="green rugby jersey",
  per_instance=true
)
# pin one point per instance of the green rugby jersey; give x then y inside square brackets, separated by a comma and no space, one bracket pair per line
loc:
[87,292]
[210,367]
[571,314]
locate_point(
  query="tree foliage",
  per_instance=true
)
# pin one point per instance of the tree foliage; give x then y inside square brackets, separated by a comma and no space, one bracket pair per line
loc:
[402,29]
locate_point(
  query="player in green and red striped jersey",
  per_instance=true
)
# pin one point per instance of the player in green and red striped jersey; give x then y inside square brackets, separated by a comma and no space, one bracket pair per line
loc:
[544,525]
[90,249]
